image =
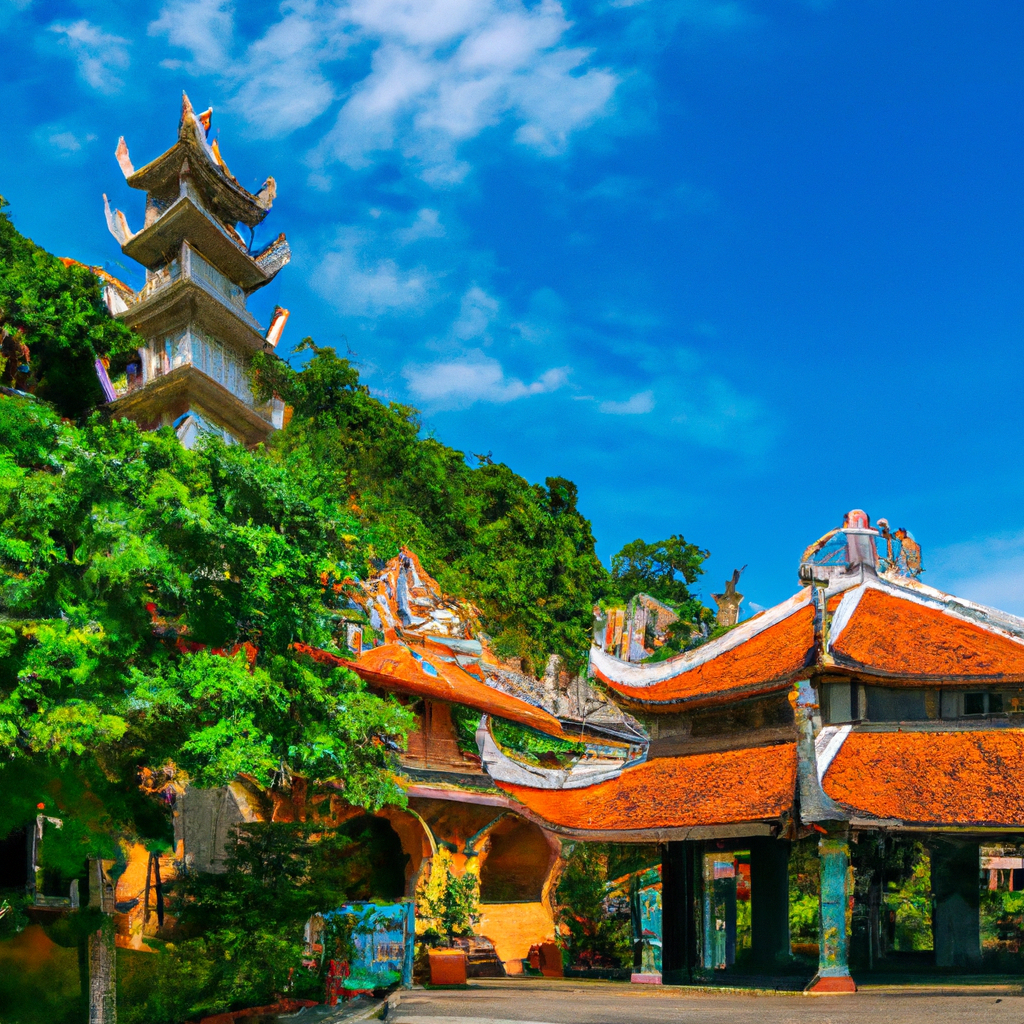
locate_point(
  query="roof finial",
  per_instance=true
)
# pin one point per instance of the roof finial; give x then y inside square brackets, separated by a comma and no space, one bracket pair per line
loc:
[729,603]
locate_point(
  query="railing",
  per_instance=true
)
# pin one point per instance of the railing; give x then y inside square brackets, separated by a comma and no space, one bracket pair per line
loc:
[194,267]
[193,347]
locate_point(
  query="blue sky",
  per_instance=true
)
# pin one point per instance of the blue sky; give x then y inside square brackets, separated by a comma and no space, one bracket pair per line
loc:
[733,266]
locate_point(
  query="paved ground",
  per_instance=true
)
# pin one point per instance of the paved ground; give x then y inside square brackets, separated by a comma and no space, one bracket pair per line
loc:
[586,1002]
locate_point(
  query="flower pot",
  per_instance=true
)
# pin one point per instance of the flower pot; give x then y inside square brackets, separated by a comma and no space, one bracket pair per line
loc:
[447,967]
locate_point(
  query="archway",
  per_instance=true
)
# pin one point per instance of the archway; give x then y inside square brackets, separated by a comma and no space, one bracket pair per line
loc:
[374,866]
[516,864]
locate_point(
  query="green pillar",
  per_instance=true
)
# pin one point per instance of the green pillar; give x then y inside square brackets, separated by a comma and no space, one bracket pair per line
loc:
[833,963]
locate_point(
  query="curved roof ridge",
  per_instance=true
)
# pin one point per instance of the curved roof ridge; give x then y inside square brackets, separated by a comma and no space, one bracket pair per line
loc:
[643,675]
[962,606]
[991,620]
[695,791]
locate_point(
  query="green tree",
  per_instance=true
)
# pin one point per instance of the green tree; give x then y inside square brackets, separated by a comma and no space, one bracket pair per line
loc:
[58,309]
[149,598]
[591,936]
[665,570]
[521,551]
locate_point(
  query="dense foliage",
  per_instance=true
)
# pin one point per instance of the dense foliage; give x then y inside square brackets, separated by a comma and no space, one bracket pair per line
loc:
[125,560]
[130,571]
[57,310]
[523,552]
[239,934]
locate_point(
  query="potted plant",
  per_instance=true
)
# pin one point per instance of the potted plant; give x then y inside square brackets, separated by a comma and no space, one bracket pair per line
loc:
[451,904]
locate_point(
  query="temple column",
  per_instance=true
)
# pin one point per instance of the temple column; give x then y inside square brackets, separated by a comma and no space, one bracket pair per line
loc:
[956,914]
[769,901]
[680,898]
[834,941]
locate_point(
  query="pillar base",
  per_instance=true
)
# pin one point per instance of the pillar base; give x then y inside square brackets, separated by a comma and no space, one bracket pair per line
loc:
[828,986]
[645,979]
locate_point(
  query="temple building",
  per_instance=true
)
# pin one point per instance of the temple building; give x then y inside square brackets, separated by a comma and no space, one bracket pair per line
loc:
[868,712]
[199,338]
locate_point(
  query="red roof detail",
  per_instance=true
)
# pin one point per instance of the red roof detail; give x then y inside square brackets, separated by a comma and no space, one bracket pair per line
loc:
[932,778]
[765,662]
[895,636]
[754,784]
[397,668]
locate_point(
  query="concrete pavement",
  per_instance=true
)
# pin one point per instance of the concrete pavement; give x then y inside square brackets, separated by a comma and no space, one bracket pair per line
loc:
[537,1001]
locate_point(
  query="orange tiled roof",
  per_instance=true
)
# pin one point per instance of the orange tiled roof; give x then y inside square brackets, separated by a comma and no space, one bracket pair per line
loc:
[731,787]
[895,635]
[767,661]
[396,667]
[932,778]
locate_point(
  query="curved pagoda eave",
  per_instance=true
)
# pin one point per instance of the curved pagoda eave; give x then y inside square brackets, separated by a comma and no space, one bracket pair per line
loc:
[231,202]
[186,220]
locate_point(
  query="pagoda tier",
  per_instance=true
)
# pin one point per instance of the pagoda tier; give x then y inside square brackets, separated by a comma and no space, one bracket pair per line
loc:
[191,401]
[189,289]
[187,218]
[226,199]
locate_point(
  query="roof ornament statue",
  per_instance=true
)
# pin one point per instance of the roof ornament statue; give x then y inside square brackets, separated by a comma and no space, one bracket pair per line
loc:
[728,603]
[858,548]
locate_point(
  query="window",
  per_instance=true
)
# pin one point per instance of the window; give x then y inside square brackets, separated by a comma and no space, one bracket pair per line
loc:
[838,702]
[903,705]
[976,704]
[983,704]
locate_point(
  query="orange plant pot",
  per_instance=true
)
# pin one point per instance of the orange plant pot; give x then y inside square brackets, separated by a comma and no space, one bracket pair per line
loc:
[447,967]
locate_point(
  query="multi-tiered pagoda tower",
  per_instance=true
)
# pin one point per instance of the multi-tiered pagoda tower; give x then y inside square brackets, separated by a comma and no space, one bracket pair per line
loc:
[192,372]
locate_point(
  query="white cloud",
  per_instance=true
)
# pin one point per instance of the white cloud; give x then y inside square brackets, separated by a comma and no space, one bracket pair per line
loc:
[441,72]
[427,224]
[98,54]
[61,141]
[474,377]
[357,283]
[204,27]
[476,312]
[640,403]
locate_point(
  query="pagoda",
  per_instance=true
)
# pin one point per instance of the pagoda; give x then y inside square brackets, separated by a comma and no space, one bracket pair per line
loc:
[192,371]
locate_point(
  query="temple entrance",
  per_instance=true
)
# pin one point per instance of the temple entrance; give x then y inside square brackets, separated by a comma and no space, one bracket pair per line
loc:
[374,866]
[726,909]
[517,863]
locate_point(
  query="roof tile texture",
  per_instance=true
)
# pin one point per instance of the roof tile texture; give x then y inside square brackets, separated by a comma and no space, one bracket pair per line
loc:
[892,635]
[943,778]
[395,667]
[675,792]
[763,663]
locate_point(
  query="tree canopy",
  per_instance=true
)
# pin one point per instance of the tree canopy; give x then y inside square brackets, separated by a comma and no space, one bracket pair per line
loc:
[523,552]
[149,596]
[57,310]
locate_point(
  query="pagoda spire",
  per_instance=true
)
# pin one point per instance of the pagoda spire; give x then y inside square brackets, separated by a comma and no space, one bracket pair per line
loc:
[198,336]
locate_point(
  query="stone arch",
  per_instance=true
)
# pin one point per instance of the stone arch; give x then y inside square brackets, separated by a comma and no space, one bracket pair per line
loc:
[417,844]
[515,863]
[380,868]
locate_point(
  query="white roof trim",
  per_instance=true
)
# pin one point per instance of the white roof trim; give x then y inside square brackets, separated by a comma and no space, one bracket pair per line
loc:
[641,675]
[1002,624]
[828,743]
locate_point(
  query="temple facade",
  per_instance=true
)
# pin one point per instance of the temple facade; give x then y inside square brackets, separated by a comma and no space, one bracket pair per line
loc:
[192,370]
[867,712]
